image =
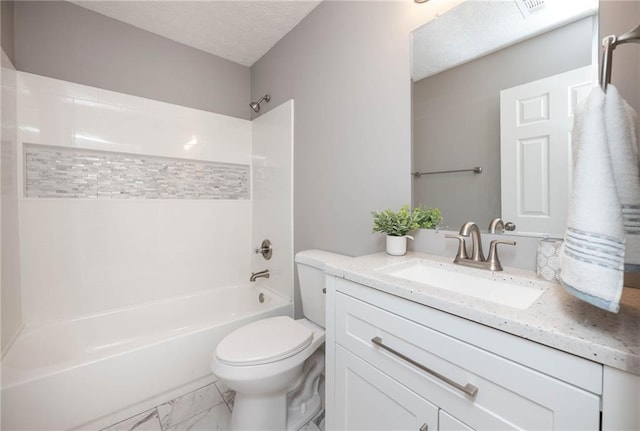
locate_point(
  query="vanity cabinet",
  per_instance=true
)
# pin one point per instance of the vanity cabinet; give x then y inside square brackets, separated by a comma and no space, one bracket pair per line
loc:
[396,365]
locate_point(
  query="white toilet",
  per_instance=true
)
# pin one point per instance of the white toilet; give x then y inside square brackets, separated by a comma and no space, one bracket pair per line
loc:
[275,364]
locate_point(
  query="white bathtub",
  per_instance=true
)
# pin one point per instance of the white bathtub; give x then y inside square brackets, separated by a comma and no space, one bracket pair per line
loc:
[67,374]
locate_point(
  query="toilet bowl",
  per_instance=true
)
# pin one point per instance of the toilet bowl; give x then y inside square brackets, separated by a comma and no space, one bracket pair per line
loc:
[276,365]
[262,362]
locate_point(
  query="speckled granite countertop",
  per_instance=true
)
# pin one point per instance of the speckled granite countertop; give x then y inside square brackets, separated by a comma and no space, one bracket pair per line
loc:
[555,319]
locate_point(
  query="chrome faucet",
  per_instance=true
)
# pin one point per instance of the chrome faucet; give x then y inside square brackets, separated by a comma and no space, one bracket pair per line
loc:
[259,274]
[477,260]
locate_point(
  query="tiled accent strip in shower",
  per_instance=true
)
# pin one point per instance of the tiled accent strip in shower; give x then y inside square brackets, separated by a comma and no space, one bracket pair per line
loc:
[60,172]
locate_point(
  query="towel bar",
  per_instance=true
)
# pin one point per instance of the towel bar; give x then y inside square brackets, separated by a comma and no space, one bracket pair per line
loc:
[475,170]
[609,43]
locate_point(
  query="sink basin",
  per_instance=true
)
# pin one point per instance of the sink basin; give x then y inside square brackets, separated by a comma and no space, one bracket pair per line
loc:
[517,292]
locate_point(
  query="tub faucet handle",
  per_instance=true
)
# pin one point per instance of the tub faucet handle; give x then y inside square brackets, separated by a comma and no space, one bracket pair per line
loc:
[266,250]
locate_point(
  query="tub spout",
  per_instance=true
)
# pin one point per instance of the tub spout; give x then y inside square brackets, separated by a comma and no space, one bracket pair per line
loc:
[259,274]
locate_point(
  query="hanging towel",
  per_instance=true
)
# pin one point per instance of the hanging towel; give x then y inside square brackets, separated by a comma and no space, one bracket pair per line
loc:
[620,120]
[592,257]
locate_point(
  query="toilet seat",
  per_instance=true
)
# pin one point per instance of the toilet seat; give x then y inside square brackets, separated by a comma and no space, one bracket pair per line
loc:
[264,341]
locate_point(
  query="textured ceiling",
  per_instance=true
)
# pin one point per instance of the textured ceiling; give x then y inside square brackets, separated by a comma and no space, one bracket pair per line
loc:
[476,28]
[240,31]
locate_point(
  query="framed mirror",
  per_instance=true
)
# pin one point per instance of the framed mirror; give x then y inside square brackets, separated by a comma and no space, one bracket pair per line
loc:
[456,96]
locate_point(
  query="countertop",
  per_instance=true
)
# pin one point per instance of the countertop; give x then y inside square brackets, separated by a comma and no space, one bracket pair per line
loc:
[556,319]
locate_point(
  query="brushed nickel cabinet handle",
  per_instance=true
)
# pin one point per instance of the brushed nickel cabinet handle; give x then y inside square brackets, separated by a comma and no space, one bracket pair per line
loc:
[424,427]
[468,389]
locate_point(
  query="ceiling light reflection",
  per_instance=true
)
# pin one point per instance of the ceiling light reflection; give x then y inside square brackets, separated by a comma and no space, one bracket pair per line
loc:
[30,129]
[90,138]
[191,143]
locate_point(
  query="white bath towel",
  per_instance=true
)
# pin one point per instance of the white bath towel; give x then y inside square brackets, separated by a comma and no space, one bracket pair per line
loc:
[623,146]
[592,257]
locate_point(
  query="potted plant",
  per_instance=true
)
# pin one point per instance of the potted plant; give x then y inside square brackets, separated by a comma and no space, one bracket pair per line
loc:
[398,224]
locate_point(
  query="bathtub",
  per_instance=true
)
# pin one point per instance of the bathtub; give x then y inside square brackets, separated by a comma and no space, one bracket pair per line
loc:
[73,374]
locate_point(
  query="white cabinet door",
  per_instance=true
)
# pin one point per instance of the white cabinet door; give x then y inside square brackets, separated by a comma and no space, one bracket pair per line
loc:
[367,399]
[535,149]
[449,423]
[620,400]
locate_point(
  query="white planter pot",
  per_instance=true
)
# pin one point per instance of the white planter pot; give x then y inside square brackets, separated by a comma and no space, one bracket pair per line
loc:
[397,245]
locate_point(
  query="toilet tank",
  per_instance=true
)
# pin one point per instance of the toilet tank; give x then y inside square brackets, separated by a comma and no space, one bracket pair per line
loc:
[310,264]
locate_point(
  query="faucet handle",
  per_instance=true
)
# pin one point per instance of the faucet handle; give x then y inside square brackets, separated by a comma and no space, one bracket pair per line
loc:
[266,249]
[493,260]
[462,247]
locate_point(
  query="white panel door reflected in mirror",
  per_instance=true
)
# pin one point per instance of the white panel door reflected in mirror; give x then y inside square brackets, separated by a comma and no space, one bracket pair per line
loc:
[536,120]
[456,103]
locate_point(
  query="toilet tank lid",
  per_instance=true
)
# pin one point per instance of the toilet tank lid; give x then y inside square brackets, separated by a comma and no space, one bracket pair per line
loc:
[319,258]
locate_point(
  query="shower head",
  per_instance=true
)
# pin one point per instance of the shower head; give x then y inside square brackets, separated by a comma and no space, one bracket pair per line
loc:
[256,105]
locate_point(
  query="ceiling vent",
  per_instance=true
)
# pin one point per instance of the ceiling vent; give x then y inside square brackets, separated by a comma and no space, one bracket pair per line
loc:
[529,6]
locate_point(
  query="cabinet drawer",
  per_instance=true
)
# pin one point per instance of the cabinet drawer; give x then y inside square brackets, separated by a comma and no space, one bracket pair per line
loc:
[509,395]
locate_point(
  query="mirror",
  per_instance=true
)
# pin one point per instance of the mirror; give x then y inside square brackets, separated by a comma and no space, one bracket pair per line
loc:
[456,85]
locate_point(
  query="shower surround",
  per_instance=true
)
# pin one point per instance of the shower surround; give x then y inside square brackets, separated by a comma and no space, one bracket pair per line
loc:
[126,201]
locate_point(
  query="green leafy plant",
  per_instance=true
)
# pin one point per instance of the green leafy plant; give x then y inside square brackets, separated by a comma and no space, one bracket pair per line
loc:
[405,220]
[394,223]
[427,218]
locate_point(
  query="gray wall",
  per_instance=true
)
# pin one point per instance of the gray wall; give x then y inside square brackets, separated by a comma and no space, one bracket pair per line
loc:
[456,120]
[64,41]
[618,17]
[6,38]
[347,67]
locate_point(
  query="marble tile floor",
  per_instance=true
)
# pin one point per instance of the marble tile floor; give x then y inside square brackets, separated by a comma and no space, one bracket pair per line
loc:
[207,408]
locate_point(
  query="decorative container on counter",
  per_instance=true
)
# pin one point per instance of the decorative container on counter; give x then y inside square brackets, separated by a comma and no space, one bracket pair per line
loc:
[397,245]
[548,259]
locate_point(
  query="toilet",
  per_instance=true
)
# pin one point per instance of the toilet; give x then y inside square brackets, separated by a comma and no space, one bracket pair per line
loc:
[276,365]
